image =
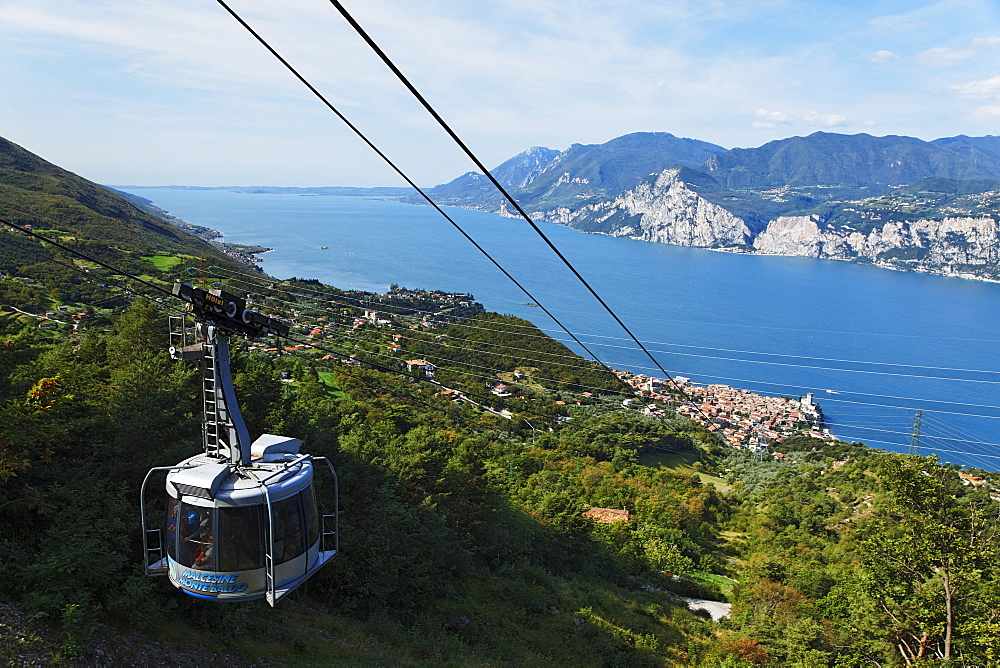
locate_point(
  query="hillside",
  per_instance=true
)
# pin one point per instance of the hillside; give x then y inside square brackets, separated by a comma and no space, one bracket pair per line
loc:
[463,532]
[846,161]
[466,528]
[791,196]
[87,217]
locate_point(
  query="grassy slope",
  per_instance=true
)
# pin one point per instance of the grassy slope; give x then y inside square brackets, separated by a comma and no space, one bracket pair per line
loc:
[682,462]
[83,214]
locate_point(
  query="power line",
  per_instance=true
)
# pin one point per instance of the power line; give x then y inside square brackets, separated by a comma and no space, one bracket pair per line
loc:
[951,431]
[85,256]
[758,352]
[934,449]
[419,338]
[923,434]
[374,365]
[118,271]
[850,392]
[459,323]
[382,367]
[905,408]
[818,368]
[357,131]
[503,191]
[422,338]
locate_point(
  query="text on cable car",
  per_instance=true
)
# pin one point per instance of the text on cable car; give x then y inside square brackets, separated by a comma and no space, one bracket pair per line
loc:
[210,583]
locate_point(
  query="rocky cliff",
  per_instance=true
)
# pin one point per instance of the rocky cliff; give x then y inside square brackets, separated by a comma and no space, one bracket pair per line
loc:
[661,208]
[954,246]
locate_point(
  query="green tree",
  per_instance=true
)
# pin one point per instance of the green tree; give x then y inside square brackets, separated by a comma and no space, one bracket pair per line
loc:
[927,553]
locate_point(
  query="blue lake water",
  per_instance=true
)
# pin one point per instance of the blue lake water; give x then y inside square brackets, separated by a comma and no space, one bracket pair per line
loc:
[873,345]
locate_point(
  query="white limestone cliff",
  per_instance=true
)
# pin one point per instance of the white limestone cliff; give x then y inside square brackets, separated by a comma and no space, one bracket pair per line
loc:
[949,246]
[662,209]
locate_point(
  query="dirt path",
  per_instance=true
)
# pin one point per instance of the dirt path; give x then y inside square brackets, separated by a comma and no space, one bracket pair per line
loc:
[716,609]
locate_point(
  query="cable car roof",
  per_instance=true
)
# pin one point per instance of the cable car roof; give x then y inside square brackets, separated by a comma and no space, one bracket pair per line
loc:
[206,482]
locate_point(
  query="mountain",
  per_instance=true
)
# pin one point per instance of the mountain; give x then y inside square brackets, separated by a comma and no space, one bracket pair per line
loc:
[936,225]
[521,170]
[976,149]
[581,174]
[36,192]
[852,161]
[88,217]
[923,206]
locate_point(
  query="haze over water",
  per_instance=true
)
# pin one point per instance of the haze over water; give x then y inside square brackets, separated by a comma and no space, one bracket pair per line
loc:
[873,345]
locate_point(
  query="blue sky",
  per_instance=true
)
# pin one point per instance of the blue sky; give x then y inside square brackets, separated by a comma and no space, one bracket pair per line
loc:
[157,92]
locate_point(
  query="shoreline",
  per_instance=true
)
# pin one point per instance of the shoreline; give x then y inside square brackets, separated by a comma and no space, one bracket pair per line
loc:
[879,265]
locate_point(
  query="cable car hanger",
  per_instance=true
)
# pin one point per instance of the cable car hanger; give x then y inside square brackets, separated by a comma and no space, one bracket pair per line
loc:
[242,519]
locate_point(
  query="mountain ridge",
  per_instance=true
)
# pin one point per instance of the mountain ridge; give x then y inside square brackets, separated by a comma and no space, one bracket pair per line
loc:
[741,199]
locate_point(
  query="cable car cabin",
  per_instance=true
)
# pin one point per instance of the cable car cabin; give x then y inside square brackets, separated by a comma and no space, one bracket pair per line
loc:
[241,519]
[242,533]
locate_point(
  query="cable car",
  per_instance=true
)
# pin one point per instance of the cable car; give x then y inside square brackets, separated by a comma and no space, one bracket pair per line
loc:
[242,519]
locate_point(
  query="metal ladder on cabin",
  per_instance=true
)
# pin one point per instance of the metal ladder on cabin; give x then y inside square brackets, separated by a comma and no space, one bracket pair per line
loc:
[214,414]
[270,589]
[333,533]
[155,563]
[213,408]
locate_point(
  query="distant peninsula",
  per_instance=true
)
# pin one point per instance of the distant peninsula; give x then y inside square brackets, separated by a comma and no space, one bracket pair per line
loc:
[344,191]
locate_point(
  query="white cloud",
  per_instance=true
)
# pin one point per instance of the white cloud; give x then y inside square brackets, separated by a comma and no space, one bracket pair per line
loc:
[979,89]
[987,41]
[943,57]
[986,113]
[770,119]
[898,23]
[823,120]
[882,56]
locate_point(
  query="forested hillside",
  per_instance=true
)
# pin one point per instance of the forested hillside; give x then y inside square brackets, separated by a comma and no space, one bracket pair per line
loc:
[463,533]
[463,530]
[463,537]
[852,556]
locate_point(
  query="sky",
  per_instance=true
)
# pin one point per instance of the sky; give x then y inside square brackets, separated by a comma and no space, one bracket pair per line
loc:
[151,92]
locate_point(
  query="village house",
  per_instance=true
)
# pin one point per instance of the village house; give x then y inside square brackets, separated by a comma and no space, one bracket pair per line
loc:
[423,366]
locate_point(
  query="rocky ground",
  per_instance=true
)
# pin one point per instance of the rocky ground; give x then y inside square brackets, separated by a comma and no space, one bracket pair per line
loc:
[25,642]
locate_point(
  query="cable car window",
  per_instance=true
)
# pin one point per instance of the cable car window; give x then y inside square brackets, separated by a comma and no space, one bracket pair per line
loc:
[289,541]
[241,538]
[311,515]
[197,541]
[171,528]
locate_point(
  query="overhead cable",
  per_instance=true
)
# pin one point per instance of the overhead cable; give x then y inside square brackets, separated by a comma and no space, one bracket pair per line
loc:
[503,191]
[357,131]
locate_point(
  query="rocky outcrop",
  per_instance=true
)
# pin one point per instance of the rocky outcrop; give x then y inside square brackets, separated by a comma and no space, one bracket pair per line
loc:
[661,209]
[959,246]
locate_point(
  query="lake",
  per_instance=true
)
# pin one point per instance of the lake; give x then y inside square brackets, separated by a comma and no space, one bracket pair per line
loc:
[874,345]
